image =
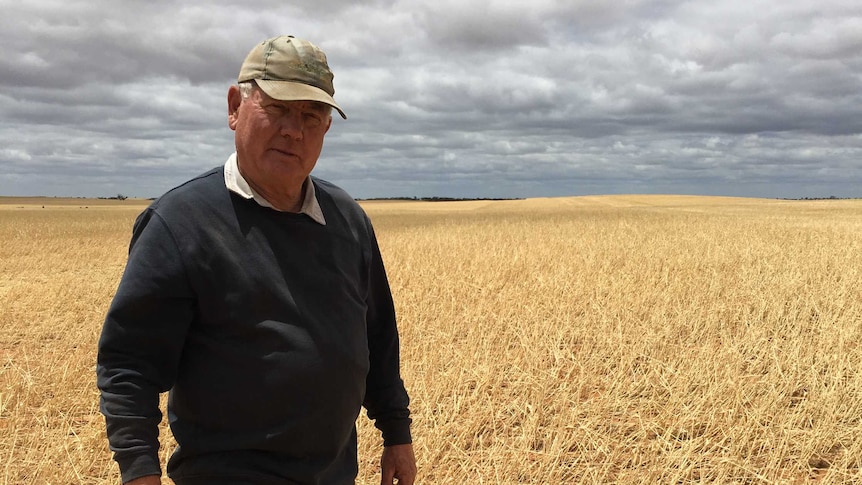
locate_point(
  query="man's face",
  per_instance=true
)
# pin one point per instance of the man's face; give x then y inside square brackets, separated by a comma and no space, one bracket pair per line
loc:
[277,142]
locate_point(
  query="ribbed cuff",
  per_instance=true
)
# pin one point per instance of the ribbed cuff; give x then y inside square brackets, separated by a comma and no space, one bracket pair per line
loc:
[137,466]
[395,432]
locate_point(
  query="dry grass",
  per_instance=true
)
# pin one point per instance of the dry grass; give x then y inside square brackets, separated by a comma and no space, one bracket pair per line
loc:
[627,339]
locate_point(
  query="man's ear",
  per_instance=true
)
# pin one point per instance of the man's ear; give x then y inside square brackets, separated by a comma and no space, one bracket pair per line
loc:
[234,99]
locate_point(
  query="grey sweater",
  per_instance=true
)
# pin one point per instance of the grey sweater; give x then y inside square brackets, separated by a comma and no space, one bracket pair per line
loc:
[269,330]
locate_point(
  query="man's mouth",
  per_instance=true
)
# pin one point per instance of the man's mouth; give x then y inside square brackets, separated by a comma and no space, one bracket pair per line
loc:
[286,153]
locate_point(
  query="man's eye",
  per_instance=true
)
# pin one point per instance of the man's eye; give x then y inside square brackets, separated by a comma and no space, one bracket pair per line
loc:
[275,109]
[312,119]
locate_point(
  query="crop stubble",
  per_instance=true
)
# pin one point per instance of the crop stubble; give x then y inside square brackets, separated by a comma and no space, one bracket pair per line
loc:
[627,339]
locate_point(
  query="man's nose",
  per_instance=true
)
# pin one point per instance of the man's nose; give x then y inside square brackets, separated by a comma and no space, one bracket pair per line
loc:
[292,125]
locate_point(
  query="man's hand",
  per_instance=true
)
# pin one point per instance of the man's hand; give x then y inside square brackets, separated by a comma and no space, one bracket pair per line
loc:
[147,480]
[398,462]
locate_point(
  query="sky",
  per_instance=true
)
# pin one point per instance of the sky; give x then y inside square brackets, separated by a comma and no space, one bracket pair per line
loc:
[448,98]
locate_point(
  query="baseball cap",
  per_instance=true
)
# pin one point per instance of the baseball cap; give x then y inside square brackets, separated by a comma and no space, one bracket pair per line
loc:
[290,69]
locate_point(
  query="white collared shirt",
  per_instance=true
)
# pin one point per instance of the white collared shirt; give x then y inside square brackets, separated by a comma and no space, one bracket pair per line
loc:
[238,185]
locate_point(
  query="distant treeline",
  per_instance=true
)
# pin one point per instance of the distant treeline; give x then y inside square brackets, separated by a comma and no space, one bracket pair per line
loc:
[441,199]
[831,197]
[463,199]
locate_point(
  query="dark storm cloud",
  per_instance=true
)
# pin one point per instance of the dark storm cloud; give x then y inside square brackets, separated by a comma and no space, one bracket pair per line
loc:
[69,45]
[494,98]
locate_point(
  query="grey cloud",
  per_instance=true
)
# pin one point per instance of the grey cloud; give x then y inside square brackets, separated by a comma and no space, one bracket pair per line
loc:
[453,26]
[72,45]
[452,98]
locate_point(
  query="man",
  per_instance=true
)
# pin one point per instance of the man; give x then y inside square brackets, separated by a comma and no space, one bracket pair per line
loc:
[256,294]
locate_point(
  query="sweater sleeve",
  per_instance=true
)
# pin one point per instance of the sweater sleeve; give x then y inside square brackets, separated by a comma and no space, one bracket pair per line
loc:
[386,399]
[141,343]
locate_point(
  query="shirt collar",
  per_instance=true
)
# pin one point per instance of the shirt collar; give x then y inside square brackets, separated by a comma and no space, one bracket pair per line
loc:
[238,185]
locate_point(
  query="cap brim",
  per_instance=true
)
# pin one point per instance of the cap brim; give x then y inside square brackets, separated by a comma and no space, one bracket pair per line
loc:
[292,91]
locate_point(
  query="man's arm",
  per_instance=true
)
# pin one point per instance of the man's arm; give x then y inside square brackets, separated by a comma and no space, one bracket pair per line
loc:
[140,345]
[386,398]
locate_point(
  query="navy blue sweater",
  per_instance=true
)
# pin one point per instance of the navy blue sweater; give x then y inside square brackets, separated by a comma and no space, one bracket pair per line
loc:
[269,329]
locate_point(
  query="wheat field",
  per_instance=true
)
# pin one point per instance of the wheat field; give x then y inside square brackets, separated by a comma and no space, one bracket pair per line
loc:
[607,339]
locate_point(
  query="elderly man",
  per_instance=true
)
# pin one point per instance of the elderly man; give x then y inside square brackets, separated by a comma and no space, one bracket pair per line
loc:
[256,294]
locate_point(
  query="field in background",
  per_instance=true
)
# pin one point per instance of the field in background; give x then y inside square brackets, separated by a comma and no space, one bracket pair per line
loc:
[628,339]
